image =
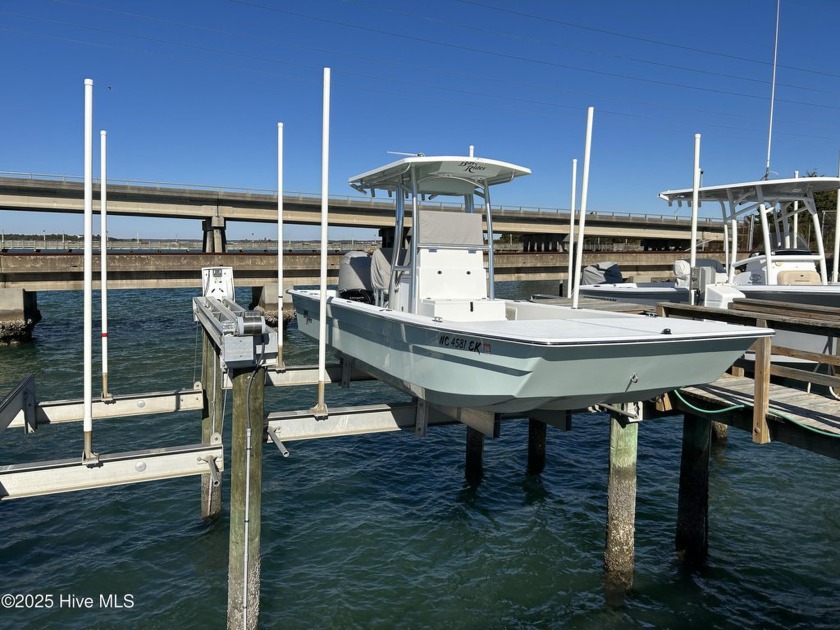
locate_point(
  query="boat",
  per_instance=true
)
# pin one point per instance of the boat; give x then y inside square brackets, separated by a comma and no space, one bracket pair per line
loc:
[422,315]
[781,268]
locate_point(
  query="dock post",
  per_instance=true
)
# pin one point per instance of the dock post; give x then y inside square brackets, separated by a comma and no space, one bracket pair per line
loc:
[247,437]
[692,539]
[761,396]
[621,504]
[536,446]
[474,469]
[720,432]
[211,421]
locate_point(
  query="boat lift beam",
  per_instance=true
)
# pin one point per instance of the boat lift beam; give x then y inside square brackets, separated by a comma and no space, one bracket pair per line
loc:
[118,406]
[19,481]
[291,426]
[288,426]
[20,404]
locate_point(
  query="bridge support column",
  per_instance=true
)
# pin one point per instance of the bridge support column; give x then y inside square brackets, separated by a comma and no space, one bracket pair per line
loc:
[215,241]
[264,298]
[18,315]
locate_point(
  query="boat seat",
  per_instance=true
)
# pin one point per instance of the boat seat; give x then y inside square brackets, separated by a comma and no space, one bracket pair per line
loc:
[450,256]
[798,277]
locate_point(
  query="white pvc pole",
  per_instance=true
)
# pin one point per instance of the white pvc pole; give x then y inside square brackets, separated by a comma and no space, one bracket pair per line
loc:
[795,218]
[320,408]
[88,454]
[695,202]
[280,245]
[583,199]
[834,262]
[570,274]
[103,257]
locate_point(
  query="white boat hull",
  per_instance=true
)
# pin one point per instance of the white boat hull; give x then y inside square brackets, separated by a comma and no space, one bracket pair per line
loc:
[550,357]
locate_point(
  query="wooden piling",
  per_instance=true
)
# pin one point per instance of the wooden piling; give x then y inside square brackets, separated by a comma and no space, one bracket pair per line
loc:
[211,421]
[245,498]
[474,468]
[720,432]
[536,446]
[692,538]
[621,504]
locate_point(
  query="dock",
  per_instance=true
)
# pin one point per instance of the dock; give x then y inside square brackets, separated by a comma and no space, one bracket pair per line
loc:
[771,402]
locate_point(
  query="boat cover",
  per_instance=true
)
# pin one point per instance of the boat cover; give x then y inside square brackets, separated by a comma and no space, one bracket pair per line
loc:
[602,273]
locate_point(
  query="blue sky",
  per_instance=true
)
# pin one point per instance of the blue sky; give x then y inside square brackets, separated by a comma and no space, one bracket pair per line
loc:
[191,92]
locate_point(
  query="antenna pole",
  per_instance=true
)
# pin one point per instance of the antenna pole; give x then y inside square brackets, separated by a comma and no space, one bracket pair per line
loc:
[772,92]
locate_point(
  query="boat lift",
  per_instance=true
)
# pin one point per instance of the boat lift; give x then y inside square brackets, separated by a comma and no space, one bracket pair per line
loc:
[243,340]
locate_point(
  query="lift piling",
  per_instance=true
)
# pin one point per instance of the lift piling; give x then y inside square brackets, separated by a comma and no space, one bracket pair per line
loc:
[247,437]
[621,504]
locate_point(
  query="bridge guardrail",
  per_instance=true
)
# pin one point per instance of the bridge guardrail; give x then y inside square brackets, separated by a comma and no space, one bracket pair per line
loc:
[350,198]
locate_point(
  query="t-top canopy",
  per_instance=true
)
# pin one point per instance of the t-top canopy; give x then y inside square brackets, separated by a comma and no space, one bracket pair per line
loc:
[438,175]
[768,191]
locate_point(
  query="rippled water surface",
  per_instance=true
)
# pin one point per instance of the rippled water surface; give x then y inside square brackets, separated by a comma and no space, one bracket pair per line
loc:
[382,531]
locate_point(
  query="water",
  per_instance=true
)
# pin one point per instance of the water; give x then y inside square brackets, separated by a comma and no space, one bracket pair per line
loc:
[381,531]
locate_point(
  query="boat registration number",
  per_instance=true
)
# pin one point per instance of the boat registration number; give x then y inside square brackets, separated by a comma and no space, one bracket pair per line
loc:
[464,343]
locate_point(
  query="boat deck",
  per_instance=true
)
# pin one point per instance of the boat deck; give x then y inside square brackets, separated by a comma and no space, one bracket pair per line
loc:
[612,306]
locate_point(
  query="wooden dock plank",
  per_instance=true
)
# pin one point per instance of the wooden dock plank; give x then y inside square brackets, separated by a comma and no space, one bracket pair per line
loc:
[797,417]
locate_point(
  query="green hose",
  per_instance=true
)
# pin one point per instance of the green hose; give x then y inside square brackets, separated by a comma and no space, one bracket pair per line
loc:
[777,412]
[690,406]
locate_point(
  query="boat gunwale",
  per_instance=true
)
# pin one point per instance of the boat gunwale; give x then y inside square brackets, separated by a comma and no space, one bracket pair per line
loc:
[425,322]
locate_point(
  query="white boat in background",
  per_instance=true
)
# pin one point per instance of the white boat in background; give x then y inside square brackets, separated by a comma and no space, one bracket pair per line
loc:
[780,269]
[432,326]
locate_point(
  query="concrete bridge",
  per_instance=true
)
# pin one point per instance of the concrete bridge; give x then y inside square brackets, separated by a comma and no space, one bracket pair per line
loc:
[64,271]
[23,274]
[541,229]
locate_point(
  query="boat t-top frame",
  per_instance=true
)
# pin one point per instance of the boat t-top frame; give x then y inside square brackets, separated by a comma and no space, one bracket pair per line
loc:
[420,178]
[784,199]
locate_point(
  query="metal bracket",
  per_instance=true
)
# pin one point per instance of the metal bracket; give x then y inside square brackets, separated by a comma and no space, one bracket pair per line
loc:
[215,477]
[272,433]
[633,413]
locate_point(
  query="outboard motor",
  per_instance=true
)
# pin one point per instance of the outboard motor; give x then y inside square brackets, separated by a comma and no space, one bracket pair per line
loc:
[354,278]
